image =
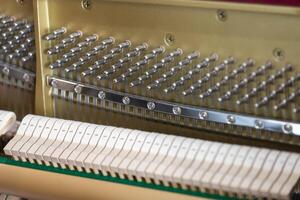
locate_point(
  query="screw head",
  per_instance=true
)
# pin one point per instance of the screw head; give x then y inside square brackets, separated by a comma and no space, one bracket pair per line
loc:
[78,89]
[21,2]
[126,100]
[151,105]
[86,4]
[5,71]
[26,77]
[278,54]
[287,128]
[258,124]
[230,119]
[53,83]
[169,39]
[176,110]
[222,15]
[101,95]
[203,115]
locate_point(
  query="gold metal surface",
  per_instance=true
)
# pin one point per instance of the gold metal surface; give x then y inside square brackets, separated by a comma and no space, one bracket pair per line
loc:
[255,31]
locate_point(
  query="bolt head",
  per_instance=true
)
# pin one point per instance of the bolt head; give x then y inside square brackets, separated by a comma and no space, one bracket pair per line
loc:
[151,105]
[101,95]
[5,71]
[258,124]
[287,128]
[176,110]
[26,77]
[203,115]
[78,89]
[126,100]
[231,119]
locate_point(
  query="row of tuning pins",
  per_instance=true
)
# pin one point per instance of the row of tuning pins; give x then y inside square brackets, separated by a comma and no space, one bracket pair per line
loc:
[97,48]
[17,41]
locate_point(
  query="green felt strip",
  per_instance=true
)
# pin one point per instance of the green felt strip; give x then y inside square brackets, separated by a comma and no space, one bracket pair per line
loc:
[9,161]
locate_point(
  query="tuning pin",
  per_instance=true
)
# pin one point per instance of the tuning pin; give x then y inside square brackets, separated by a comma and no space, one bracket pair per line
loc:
[75,35]
[205,94]
[285,102]
[55,34]
[141,47]
[7,20]
[158,50]
[296,110]
[262,102]
[75,66]
[208,76]
[108,41]
[30,56]
[59,63]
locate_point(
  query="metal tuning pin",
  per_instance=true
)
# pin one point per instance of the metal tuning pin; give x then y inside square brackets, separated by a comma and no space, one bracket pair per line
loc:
[296,110]
[30,57]
[112,54]
[242,68]
[55,34]
[120,63]
[84,59]
[244,82]
[279,89]
[120,47]
[196,69]
[138,65]
[181,64]
[263,84]
[148,74]
[70,39]
[283,103]
[208,76]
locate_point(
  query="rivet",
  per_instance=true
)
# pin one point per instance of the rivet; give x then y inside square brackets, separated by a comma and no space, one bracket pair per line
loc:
[126,100]
[176,110]
[151,105]
[101,95]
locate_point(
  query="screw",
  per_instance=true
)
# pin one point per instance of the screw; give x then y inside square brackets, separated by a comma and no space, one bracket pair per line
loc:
[54,83]
[21,2]
[78,89]
[151,105]
[287,128]
[26,77]
[126,100]
[230,119]
[203,115]
[278,54]
[5,71]
[169,39]
[222,15]
[86,4]
[101,95]
[258,124]
[176,110]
